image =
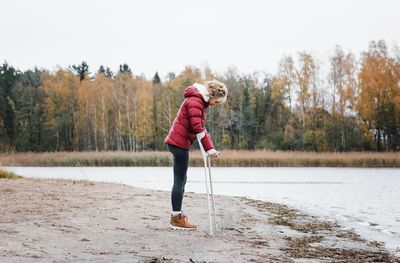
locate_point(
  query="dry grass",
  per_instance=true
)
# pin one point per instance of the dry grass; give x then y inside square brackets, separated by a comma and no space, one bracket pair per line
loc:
[309,159]
[227,159]
[86,159]
[8,175]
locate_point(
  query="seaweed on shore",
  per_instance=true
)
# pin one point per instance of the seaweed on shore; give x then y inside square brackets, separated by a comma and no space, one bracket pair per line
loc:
[292,218]
[321,239]
[304,247]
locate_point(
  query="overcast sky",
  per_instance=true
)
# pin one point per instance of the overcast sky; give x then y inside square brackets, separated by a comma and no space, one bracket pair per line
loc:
[166,35]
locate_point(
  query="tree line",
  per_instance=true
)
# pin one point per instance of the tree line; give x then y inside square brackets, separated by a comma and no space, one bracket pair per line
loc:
[352,104]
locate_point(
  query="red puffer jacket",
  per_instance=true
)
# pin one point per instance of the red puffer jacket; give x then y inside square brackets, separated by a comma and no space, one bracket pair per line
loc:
[190,121]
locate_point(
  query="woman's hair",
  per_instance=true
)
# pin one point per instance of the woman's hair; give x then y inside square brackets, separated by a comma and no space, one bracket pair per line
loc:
[216,89]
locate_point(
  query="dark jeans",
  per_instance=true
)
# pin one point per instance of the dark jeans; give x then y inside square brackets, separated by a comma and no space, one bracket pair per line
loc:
[181,161]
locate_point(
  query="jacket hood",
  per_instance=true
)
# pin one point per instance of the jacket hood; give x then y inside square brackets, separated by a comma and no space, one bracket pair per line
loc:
[197,90]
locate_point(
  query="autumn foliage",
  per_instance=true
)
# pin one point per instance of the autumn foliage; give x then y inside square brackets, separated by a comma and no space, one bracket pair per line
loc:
[351,104]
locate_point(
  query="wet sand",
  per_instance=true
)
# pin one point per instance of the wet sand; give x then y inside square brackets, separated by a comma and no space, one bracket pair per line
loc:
[81,221]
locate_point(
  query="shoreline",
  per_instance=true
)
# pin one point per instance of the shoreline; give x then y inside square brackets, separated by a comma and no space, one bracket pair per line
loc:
[67,221]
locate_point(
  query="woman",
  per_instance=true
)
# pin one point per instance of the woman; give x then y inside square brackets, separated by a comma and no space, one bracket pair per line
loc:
[190,122]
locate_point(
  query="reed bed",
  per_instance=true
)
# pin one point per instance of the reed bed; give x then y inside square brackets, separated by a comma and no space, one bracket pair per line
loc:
[227,159]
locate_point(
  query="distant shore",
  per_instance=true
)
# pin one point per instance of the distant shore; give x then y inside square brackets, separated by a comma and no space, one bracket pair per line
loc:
[227,159]
[79,221]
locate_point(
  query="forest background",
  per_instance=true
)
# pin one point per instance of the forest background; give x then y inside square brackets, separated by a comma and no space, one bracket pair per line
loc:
[350,103]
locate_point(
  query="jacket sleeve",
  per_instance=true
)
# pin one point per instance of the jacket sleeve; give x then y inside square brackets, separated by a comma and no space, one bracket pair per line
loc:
[195,113]
[207,142]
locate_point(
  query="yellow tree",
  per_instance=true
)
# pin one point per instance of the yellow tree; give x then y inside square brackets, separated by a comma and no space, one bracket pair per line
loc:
[287,77]
[286,80]
[103,87]
[62,108]
[125,111]
[342,77]
[278,94]
[307,97]
[143,118]
[87,116]
[378,100]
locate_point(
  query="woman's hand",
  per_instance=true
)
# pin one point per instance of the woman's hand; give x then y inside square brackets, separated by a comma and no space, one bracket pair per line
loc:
[213,153]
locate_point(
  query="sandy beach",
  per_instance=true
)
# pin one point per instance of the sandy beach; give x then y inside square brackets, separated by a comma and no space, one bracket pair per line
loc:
[81,221]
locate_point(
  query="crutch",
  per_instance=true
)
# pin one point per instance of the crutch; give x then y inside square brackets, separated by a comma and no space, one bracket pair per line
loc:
[209,188]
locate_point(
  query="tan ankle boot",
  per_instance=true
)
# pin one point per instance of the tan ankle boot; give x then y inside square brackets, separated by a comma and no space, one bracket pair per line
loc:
[180,221]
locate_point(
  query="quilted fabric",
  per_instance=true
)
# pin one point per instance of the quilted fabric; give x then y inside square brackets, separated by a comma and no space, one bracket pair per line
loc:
[190,120]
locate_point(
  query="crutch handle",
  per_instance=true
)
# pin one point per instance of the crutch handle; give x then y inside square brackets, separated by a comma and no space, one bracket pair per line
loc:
[213,154]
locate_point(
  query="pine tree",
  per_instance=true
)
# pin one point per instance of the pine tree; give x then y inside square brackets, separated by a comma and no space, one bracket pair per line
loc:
[82,70]
[124,68]
[106,72]
[8,79]
[156,79]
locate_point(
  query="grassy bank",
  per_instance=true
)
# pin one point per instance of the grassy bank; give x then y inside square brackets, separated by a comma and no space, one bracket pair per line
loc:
[8,175]
[227,159]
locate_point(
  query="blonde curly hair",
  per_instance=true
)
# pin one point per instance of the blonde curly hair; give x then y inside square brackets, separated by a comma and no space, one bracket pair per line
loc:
[216,89]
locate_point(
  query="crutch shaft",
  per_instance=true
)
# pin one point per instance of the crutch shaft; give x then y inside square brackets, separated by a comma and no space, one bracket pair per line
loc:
[212,194]
[208,200]
[209,189]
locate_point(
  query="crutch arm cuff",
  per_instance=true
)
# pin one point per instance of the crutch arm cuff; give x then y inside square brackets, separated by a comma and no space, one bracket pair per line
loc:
[205,139]
[200,135]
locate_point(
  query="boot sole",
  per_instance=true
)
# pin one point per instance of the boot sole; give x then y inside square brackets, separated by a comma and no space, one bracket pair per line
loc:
[181,228]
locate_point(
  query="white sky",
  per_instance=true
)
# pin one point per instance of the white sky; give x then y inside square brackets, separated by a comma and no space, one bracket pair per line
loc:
[166,35]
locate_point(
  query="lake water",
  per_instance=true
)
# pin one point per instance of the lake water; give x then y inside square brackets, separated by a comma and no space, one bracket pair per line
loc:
[365,200]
